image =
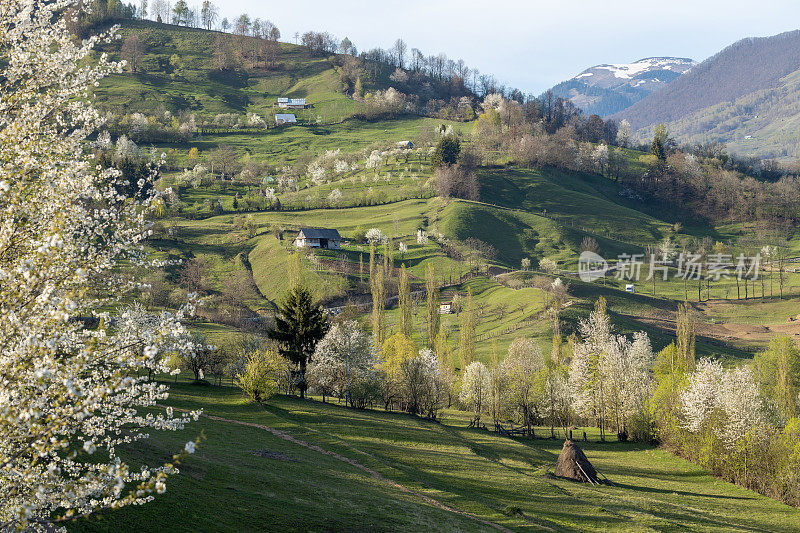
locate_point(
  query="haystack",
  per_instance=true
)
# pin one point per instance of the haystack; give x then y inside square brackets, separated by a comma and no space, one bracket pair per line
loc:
[573,464]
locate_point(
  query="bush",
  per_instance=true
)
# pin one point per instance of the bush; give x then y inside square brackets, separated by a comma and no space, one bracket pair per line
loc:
[446,152]
[360,234]
[260,375]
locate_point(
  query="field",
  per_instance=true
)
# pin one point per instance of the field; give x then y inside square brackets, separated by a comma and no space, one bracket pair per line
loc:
[323,467]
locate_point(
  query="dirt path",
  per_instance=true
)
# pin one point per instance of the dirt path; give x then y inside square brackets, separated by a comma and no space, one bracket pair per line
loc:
[376,475]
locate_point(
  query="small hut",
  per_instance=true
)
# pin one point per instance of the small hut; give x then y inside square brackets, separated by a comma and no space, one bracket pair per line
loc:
[572,464]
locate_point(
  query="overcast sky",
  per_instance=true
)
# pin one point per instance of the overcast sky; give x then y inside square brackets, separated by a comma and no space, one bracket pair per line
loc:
[532,44]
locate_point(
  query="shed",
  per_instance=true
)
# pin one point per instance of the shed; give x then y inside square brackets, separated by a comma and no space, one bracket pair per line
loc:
[445,308]
[318,238]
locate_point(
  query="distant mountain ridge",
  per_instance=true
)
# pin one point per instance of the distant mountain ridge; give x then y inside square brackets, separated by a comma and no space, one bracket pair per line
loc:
[747,95]
[609,88]
[744,67]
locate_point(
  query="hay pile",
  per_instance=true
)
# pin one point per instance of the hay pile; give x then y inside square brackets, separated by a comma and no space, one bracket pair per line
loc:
[572,464]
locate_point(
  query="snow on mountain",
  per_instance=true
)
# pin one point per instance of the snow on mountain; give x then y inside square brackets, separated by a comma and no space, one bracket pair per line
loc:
[628,71]
[609,88]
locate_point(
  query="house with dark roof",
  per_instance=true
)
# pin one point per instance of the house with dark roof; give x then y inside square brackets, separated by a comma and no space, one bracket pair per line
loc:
[318,238]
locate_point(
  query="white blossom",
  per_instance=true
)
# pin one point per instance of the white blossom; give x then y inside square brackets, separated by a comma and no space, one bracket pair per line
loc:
[316,172]
[70,395]
[334,196]
[732,394]
[374,235]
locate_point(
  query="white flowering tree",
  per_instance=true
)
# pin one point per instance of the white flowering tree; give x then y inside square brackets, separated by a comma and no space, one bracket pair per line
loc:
[423,385]
[70,394]
[343,362]
[375,236]
[585,377]
[520,366]
[476,389]
[341,166]
[724,402]
[335,196]
[316,172]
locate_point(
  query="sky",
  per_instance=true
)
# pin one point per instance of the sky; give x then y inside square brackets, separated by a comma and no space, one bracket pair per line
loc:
[531,44]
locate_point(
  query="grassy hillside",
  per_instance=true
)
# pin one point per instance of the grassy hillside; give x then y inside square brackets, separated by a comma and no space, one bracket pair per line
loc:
[762,124]
[744,96]
[179,73]
[297,465]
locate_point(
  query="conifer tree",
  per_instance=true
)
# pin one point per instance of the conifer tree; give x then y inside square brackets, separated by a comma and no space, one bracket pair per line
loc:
[659,145]
[299,325]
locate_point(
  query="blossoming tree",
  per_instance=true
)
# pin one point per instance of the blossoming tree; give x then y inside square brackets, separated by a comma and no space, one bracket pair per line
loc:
[70,394]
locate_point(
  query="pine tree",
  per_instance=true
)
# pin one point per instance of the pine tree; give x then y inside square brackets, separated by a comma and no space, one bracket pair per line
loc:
[299,325]
[659,145]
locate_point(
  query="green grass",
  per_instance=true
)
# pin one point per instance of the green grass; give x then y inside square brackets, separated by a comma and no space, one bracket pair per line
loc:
[224,487]
[287,144]
[195,84]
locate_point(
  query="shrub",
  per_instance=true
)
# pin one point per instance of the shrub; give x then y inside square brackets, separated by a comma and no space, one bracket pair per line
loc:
[260,374]
[446,152]
[360,234]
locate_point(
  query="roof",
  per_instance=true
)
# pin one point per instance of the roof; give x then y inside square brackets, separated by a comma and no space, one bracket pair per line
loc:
[288,117]
[292,101]
[320,233]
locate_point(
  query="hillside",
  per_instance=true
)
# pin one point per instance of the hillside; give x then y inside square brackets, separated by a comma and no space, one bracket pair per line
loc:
[609,88]
[761,124]
[744,90]
[210,74]
[292,465]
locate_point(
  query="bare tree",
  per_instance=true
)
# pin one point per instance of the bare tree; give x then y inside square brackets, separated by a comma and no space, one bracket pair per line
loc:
[132,51]
[399,52]
[209,14]
[223,55]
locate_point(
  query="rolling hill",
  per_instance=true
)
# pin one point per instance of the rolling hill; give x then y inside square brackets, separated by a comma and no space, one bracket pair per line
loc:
[746,95]
[184,70]
[609,88]
[294,465]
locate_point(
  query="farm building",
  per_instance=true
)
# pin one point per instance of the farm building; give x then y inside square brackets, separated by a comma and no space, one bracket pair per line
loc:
[406,145]
[285,118]
[318,238]
[292,103]
[445,308]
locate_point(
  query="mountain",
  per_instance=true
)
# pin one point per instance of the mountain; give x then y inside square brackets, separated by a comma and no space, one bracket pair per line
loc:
[747,96]
[610,88]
